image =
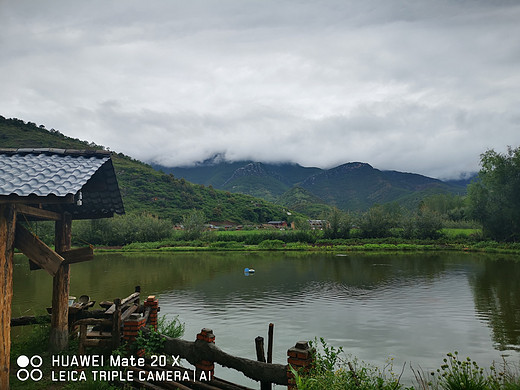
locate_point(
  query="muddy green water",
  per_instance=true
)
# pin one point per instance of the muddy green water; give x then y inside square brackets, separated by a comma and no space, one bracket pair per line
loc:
[411,307]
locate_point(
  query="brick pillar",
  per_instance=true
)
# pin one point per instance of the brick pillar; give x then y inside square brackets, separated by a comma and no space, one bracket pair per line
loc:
[298,357]
[205,368]
[131,328]
[154,305]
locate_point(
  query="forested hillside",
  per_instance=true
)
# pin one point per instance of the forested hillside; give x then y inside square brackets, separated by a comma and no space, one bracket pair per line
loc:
[145,189]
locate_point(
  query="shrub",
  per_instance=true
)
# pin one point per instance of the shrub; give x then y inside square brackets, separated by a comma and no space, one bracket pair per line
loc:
[121,230]
[271,244]
[226,245]
[332,371]
[171,328]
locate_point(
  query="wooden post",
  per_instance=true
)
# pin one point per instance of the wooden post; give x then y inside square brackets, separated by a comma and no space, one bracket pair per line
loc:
[260,356]
[259,344]
[7,233]
[116,325]
[59,336]
[270,343]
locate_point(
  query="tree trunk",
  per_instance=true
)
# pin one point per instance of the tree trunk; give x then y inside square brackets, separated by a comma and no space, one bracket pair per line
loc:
[7,232]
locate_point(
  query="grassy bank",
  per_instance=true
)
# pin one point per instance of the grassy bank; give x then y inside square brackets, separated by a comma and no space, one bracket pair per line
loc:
[449,239]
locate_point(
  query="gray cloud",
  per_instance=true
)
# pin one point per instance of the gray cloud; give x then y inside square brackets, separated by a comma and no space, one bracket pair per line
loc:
[416,86]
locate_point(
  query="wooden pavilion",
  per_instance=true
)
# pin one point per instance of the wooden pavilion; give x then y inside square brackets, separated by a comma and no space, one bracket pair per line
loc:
[49,184]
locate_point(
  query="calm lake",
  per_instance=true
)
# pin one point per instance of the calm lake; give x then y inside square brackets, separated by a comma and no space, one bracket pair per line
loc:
[414,308]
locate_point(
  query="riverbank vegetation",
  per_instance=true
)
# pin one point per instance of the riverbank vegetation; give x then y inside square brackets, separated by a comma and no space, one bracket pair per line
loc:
[333,369]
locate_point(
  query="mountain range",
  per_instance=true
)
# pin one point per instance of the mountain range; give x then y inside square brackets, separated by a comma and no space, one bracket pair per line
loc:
[243,190]
[353,186]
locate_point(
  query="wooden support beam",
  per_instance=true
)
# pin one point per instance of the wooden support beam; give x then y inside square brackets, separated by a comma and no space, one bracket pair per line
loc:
[34,199]
[72,256]
[59,336]
[37,212]
[78,255]
[7,237]
[36,250]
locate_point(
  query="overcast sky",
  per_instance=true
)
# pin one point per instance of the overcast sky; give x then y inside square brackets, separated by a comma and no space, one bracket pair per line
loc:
[421,86]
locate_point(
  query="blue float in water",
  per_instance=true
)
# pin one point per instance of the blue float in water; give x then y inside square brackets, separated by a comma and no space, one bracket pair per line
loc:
[248,271]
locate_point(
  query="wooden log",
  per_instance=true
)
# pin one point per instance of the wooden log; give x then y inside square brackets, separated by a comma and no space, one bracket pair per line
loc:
[199,350]
[36,250]
[59,336]
[7,239]
[30,320]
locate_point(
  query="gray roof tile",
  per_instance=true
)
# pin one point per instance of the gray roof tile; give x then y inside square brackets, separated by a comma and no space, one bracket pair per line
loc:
[62,172]
[44,174]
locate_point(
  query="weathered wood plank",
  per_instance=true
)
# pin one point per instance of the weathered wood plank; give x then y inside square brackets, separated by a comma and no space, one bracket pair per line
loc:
[130,299]
[116,324]
[7,238]
[34,199]
[93,321]
[36,250]
[78,255]
[37,212]
[59,336]
[129,311]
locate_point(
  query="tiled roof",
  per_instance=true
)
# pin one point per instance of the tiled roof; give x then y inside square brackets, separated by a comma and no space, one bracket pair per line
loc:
[60,172]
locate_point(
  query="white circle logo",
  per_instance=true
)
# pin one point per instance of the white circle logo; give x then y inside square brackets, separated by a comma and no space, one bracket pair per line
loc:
[23,361]
[35,374]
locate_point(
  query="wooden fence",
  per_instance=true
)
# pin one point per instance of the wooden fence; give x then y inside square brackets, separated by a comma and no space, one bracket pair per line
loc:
[122,319]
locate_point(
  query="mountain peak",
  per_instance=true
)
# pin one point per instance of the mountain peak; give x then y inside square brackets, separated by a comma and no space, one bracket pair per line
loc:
[251,169]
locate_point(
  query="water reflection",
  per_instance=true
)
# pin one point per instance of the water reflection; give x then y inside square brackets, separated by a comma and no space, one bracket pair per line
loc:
[496,287]
[415,307]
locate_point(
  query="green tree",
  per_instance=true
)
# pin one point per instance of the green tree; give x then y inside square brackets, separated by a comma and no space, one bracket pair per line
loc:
[339,225]
[495,197]
[375,223]
[428,224]
[193,224]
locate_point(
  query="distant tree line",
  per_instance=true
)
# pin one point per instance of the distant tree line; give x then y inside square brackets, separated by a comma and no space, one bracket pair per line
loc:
[493,202]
